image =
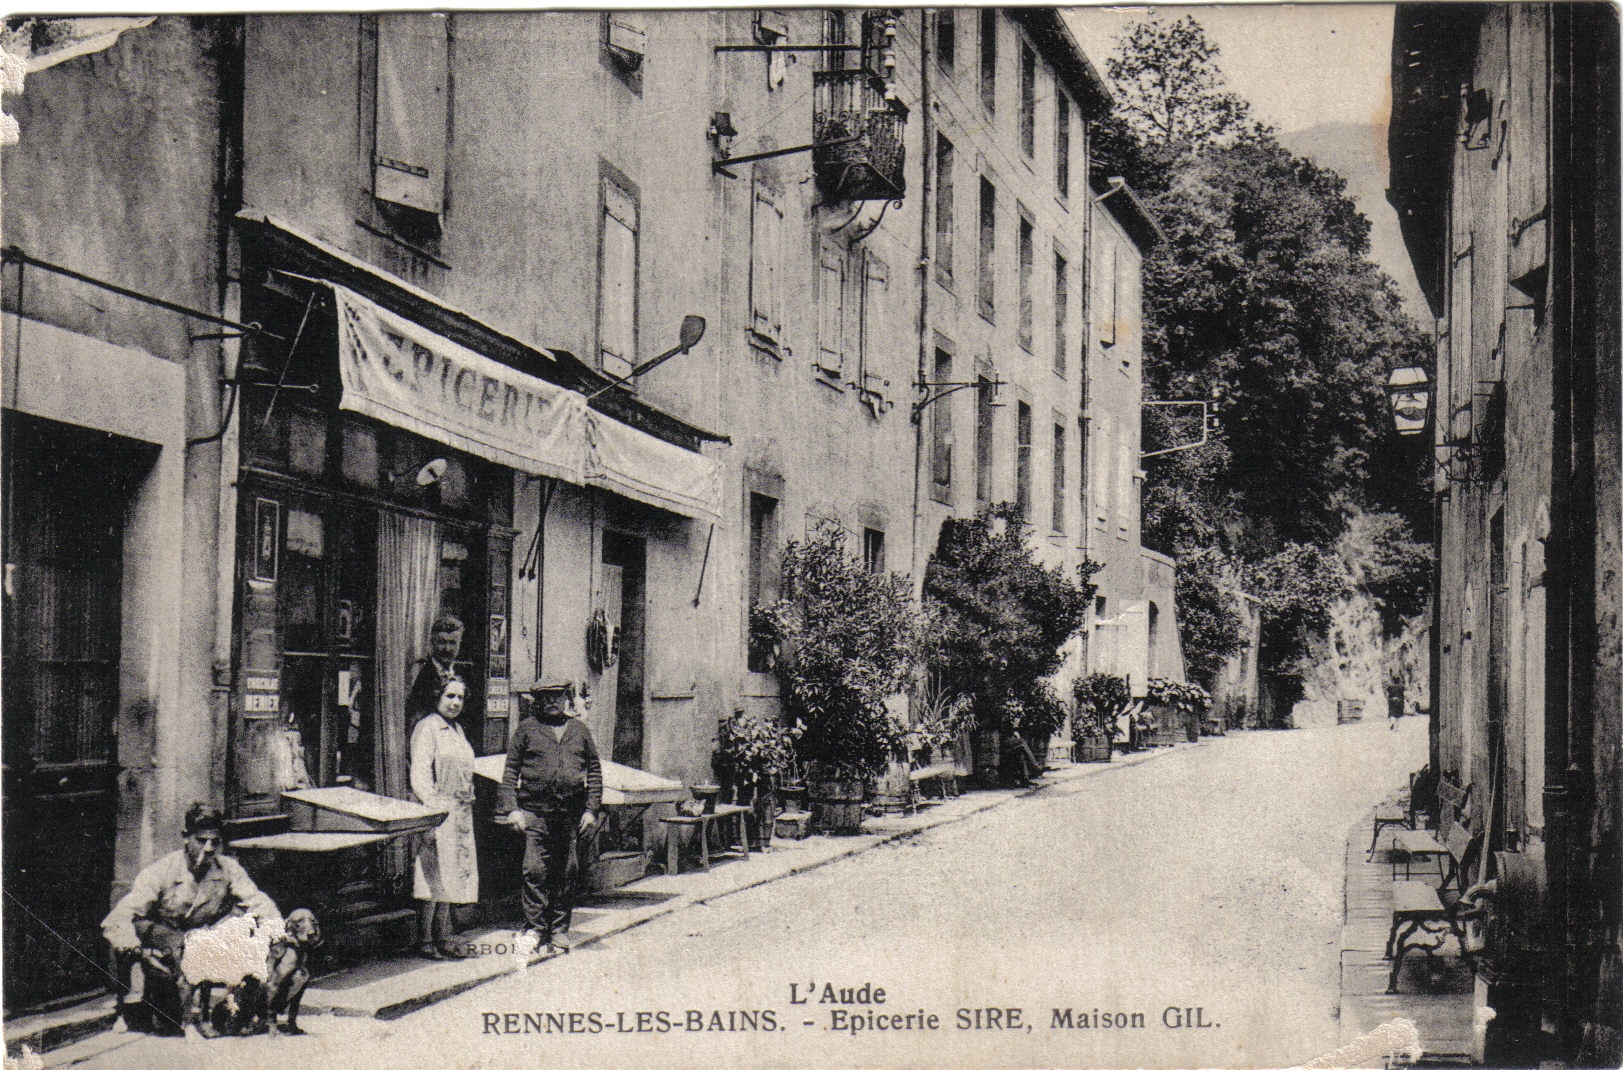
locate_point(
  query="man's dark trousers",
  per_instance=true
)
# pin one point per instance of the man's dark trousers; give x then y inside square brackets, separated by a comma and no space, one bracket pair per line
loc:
[548,893]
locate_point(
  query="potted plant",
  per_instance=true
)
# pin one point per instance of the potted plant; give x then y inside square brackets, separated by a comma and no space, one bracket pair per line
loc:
[751,753]
[1100,699]
[845,641]
[998,620]
[941,719]
[1179,708]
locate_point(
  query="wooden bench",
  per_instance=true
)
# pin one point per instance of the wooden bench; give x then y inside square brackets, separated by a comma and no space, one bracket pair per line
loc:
[731,818]
[1402,815]
[1422,913]
[942,776]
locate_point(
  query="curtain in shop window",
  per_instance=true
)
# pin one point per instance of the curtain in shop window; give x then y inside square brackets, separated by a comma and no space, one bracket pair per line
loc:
[408,596]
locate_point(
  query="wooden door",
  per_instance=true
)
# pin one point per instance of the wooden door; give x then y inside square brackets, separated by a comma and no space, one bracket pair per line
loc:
[66,499]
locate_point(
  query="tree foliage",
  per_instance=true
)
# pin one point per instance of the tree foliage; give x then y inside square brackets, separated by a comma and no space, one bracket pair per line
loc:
[847,639]
[998,619]
[1263,293]
[1209,620]
[1169,89]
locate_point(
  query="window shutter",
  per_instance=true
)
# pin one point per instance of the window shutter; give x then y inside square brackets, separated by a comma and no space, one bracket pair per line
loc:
[617,330]
[766,257]
[831,324]
[413,106]
[628,37]
[875,318]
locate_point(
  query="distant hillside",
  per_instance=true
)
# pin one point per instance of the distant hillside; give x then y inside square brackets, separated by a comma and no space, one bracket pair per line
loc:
[1358,153]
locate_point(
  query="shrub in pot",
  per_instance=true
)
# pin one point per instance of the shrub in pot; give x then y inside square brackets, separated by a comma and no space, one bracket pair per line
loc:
[998,619]
[751,753]
[1100,699]
[845,640]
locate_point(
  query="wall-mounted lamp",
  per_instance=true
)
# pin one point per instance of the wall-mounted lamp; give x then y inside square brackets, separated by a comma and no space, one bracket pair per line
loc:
[721,134]
[687,337]
[1409,392]
[427,474]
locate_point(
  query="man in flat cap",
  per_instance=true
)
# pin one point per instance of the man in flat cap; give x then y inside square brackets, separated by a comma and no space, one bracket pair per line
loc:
[184,891]
[551,790]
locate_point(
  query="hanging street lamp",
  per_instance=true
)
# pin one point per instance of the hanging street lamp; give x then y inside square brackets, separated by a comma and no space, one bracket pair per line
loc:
[1409,392]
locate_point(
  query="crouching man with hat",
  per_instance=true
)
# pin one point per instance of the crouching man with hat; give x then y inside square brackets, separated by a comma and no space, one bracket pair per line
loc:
[552,789]
[181,895]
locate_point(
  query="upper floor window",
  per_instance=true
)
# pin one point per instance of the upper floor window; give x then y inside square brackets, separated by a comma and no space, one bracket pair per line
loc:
[943,210]
[1062,143]
[617,277]
[1028,259]
[838,309]
[988,250]
[625,44]
[1057,519]
[1022,461]
[766,268]
[413,110]
[1062,311]
[941,443]
[1109,289]
[989,59]
[946,39]
[984,427]
[1028,100]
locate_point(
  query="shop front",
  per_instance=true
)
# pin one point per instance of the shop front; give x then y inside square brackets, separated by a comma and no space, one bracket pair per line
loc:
[376,504]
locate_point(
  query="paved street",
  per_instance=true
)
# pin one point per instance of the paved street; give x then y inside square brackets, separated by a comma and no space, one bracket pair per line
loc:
[1220,863]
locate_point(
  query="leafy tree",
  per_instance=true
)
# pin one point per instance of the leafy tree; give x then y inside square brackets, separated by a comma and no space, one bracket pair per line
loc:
[1209,622]
[846,639]
[1169,89]
[1385,562]
[1264,292]
[998,619]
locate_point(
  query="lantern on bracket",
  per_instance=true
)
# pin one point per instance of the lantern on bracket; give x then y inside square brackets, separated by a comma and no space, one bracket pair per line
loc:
[1409,392]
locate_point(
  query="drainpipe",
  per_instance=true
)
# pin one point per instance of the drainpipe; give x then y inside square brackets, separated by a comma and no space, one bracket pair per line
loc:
[926,175]
[1560,801]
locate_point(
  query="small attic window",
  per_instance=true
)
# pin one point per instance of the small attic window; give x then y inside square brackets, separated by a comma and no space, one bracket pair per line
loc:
[625,44]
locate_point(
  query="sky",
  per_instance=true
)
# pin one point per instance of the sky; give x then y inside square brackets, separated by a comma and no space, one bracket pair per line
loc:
[1317,72]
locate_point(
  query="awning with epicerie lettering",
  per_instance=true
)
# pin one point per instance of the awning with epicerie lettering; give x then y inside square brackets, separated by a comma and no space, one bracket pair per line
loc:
[407,376]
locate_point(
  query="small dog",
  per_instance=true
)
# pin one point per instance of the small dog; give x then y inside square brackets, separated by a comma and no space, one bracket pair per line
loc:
[288,971]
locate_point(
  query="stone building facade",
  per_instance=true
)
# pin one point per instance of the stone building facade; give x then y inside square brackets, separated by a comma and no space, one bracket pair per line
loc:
[1504,150]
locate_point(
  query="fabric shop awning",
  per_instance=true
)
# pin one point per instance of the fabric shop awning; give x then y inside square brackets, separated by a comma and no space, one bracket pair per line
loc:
[405,375]
[639,466]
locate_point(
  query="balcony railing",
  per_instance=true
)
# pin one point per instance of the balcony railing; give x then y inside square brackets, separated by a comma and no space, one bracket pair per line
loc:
[857,153]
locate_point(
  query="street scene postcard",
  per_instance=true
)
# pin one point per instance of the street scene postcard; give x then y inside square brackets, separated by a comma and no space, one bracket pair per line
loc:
[955,537]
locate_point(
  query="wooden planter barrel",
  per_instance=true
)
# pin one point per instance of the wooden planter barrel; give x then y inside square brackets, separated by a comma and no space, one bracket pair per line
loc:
[1092,749]
[836,805]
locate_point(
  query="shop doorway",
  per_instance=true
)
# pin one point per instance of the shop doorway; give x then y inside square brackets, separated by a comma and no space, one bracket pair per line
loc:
[620,698]
[67,494]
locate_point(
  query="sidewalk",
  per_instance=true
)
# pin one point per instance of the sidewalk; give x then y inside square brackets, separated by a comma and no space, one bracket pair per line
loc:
[397,985]
[1434,994]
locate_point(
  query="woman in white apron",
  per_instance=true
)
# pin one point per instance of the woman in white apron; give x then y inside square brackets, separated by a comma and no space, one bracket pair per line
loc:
[447,869]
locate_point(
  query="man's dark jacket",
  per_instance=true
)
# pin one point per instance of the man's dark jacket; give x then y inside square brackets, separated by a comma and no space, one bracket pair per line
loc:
[546,773]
